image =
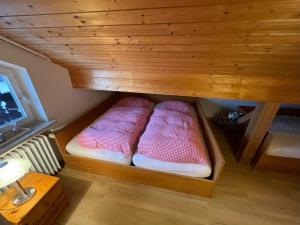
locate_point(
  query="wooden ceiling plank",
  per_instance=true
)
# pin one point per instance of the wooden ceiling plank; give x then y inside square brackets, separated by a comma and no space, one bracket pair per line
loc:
[32,7]
[237,27]
[116,49]
[165,40]
[278,10]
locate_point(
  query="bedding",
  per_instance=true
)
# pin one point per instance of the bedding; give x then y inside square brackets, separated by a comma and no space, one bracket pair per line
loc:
[284,123]
[175,106]
[173,142]
[113,136]
[135,102]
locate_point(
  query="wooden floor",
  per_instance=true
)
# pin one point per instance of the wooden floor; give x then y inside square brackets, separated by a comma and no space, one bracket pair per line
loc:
[242,196]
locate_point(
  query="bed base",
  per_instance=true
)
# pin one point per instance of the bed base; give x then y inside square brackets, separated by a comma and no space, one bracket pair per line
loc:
[264,161]
[190,185]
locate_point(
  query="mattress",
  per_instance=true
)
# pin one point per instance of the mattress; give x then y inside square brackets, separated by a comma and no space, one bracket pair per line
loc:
[74,148]
[284,144]
[113,136]
[173,142]
[286,137]
[186,169]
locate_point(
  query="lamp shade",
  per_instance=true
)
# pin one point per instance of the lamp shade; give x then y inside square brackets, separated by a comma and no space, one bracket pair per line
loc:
[12,170]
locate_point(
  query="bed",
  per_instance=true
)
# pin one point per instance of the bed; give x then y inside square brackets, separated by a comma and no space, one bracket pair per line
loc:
[113,136]
[280,150]
[182,183]
[173,142]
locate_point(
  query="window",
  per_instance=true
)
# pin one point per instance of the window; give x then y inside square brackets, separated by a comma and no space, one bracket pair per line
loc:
[14,106]
[11,109]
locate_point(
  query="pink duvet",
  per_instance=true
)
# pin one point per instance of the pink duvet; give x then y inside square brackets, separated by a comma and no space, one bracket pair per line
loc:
[116,130]
[173,137]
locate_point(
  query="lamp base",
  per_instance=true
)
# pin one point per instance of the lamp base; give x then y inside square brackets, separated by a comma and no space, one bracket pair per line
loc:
[20,199]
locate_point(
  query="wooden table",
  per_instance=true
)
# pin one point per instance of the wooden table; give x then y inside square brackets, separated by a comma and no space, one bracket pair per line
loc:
[45,206]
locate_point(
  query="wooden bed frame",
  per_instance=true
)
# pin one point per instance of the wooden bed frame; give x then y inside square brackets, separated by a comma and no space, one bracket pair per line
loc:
[264,161]
[197,186]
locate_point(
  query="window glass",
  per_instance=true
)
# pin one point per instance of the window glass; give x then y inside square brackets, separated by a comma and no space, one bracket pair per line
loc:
[10,107]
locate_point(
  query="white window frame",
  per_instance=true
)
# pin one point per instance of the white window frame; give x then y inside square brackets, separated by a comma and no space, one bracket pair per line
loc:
[21,99]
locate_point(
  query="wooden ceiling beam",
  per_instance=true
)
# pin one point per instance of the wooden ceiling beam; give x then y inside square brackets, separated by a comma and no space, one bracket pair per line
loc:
[190,84]
[257,128]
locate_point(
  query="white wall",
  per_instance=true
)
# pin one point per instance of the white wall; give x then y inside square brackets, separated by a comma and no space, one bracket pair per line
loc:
[52,83]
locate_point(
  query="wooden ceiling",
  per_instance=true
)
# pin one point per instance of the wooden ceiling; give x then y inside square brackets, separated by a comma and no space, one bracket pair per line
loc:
[242,49]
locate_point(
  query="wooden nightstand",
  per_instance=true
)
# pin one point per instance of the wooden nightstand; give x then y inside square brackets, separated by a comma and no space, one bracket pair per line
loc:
[45,206]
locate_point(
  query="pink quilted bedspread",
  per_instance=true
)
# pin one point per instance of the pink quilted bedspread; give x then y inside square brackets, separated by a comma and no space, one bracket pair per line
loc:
[116,130]
[173,137]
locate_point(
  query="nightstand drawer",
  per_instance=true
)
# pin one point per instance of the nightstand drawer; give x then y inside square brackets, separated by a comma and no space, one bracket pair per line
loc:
[42,209]
[55,210]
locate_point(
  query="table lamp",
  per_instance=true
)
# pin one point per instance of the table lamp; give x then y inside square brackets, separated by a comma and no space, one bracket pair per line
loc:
[11,170]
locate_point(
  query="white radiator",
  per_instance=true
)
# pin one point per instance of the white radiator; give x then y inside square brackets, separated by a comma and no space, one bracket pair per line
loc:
[38,152]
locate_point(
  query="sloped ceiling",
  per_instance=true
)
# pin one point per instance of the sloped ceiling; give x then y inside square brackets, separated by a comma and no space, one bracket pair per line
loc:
[239,49]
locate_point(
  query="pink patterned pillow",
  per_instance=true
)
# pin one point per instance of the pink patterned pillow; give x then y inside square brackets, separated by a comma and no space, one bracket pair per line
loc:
[134,101]
[177,106]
